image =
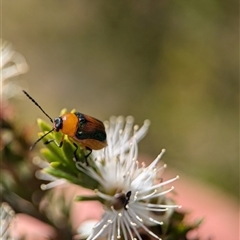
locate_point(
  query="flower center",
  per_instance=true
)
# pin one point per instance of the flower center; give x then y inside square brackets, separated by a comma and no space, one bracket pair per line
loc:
[121,200]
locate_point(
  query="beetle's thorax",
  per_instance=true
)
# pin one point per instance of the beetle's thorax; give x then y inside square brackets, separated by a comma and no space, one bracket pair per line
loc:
[67,124]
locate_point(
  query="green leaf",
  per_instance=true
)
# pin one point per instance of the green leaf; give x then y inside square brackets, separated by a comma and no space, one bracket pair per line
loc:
[55,164]
[61,174]
[50,156]
[68,154]
[80,179]
[44,126]
[63,111]
[88,198]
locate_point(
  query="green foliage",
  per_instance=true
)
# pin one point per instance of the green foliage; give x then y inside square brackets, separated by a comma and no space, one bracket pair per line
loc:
[62,161]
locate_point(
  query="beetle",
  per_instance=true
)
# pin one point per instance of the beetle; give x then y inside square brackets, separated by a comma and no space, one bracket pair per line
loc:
[80,128]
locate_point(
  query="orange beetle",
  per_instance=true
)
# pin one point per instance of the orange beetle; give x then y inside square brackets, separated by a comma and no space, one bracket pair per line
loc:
[85,130]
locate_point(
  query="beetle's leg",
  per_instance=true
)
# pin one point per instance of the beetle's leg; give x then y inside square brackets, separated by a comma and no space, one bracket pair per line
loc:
[90,151]
[86,156]
[75,151]
[53,140]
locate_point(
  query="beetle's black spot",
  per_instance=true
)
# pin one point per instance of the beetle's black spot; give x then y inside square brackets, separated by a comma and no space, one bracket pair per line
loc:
[58,123]
[99,135]
[81,135]
[81,117]
[81,123]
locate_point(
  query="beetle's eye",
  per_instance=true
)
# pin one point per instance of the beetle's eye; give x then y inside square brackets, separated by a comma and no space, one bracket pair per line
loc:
[58,122]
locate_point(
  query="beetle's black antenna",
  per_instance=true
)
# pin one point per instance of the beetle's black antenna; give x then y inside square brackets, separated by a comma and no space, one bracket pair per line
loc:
[37,105]
[41,138]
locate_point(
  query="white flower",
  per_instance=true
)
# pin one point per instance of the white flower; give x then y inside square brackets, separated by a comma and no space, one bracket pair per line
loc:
[133,194]
[7,217]
[12,64]
[40,174]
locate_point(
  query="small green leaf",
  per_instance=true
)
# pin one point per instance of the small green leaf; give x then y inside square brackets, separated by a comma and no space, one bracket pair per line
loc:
[68,151]
[52,146]
[48,155]
[44,126]
[61,174]
[63,111]
[55,164]
[87,198]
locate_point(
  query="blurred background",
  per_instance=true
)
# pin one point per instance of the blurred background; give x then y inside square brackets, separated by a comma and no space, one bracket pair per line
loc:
[173,62]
